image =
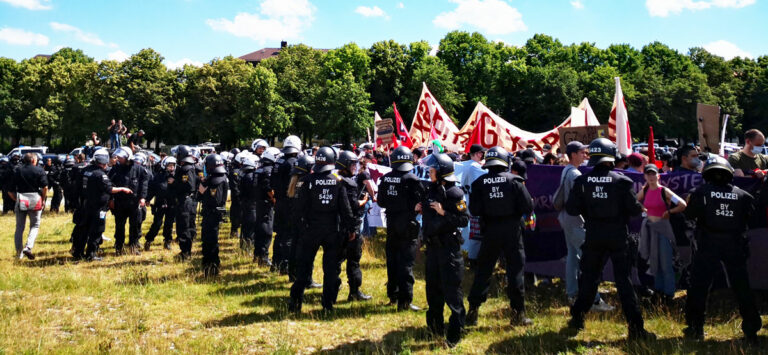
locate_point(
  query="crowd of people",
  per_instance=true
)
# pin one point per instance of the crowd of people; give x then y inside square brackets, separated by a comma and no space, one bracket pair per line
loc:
[299,201]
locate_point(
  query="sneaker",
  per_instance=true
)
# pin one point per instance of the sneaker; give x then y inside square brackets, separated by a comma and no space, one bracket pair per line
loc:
[358,296]
[520,319]
[408,307]
[314,285]
[471,319]
[571,300]
[28,253]
[167,245]
[602,306]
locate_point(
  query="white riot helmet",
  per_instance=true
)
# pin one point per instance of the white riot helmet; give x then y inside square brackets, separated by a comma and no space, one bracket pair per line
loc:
[101,156]
[259,143]
[167,161]
[241,156]
[139,158]
[227,156]
[292,145]
[123,152]
[271,154]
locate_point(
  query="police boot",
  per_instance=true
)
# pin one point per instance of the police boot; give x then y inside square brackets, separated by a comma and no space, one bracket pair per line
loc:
[147,245]
[519,318]
[358,296]
[294,306]
[576,323]
[408,307]
[693,334]
[167,244]
[119,251]
[471,319]
[640,334]
[134,249]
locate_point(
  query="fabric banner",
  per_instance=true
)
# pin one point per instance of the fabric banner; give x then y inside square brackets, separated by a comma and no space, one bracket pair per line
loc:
[486,128]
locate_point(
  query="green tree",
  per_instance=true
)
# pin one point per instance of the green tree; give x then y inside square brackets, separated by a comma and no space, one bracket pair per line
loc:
[388,68]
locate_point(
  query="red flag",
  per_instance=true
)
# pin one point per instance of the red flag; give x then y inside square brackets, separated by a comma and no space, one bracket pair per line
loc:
[651,148]
[432,132]
[475,138]
[401,131]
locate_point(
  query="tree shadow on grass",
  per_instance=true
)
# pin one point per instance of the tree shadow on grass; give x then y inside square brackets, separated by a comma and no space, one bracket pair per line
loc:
[394,342]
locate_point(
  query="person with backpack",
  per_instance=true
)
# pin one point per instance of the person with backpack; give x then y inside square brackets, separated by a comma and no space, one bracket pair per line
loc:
[657,243]
[573,226]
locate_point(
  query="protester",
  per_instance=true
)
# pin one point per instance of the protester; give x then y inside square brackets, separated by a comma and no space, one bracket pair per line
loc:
[688,160]
[95,140]
[134,141]
[657,238]
[29,193]
[750,160]
[636,162]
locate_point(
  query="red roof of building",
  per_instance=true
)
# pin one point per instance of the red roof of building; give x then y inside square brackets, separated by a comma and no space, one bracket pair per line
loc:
[261,54]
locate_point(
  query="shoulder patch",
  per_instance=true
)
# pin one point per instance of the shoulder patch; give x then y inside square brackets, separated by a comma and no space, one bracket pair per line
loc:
[461,206]
[185,178]
[213,191]
[338,178]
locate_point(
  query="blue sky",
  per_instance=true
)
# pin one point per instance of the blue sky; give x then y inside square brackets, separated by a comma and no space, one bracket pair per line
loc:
[195,31]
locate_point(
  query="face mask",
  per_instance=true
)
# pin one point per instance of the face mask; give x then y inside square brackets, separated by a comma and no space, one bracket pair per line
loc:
[757,150]
[695,162]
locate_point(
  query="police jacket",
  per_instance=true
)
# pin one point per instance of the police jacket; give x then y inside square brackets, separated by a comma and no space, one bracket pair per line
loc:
[352,195]
[97,188]
[6,176]
[323,202]
[399,192]
[248,189]
[282,176]
[184,182]
[264,186]
[132,176]
[605,199]
[215,196]
[720,210]
[160,191]
[53,173]
[500,197]
[439,229]
[234,184]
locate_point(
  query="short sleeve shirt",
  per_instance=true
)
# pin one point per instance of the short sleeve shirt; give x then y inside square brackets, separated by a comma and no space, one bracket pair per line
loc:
[739,160]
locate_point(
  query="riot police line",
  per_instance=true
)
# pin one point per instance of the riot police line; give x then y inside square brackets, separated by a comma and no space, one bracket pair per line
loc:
[307,202]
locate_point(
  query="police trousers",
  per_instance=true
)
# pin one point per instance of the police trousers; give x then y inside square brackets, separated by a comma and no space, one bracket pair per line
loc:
[131,213]
[400,251]
[161,217]
[185,224]
[316,237]
[90,226]
[498,239]
[444,274]
[209,233]
[596,252]
[711,252]
[263,230]
[281,247]
[235,215]
[353,252]
[57,197]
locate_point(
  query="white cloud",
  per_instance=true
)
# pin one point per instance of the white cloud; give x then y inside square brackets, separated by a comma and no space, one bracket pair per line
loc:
[58,48]
[277,20]
[400,5]
[434,50]
[493,17]
[118,55]
[726,50]
[371,11]
[577,4]
[22,38]
[663,8]
[29,4]
[181,63]
[79,34]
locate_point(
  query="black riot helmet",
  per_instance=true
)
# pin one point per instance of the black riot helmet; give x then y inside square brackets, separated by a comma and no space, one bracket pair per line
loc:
[717,170]
[325,159]
[496,156]
[184,154]
[234,152]
[444,166]
[303,165]
[402,159]
[346,161]
[214,164]
[601,150]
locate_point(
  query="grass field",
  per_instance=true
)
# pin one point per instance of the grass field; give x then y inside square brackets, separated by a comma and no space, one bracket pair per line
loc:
[155,304]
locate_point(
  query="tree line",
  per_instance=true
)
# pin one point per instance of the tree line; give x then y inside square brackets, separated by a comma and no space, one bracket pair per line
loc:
[332,94]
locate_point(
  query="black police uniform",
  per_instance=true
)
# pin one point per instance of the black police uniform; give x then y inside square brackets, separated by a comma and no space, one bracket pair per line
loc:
[444,267]
[6,179]
[184,189]
[248,200]
[282,222]
[398,194]
[297,230]
[54,184]
[68,187]
[353,249]
[606,200]
[235,206]
[721,214]
[92,213]
[326,212]
[213,201]
[265,212]
[134,177]
[500,199]
[163,208]
[80,230]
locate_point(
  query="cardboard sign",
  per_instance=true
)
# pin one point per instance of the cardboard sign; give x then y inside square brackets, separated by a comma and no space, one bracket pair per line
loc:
[585,135]
[708,121]
[385,130]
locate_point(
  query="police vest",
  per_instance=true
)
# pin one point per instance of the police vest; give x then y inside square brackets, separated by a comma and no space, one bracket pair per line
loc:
[499,192]
[324,192]
[725,208]
[394,192]
[602,195]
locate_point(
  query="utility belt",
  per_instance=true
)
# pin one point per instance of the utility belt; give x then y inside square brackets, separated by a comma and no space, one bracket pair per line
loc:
[440,240]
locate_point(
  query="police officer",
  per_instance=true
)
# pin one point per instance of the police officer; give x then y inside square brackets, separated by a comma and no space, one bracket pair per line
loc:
[444,213]
[68,185]
[302,168]
[328,217]
[6,179]
[282,222]
[96,189]
[399,193]
[265,207]
[500,199]
[128,207]
[248,200]
[353,246]
[141,159]
[163,208]
[235,211]
[53,170]
[183,186]
[721,211]
[213,196]
[606,200]
[259,146]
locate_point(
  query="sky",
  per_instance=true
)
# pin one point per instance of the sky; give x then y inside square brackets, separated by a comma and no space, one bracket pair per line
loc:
[196,31]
